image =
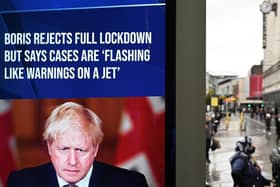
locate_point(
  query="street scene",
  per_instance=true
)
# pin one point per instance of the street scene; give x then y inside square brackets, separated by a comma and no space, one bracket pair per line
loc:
[218,171]
[242,111]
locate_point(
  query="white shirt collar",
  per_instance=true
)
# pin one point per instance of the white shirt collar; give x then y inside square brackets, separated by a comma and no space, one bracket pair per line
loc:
[82,183]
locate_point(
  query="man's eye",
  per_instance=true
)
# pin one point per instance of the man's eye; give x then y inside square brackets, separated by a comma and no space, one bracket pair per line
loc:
[81,150]
[63,149]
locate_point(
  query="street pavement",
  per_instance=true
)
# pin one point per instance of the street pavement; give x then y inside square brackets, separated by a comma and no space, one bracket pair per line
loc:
[218,171]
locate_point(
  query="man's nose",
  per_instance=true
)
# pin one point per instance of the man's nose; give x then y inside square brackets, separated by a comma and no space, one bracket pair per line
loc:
[72,157]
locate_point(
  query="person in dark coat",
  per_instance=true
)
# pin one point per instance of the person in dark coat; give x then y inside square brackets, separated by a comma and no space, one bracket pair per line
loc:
[268,121]
[245,171]
[209,132]
[277,125]
[73,134]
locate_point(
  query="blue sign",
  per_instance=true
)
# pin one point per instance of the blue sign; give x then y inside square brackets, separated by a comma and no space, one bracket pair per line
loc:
[100,49]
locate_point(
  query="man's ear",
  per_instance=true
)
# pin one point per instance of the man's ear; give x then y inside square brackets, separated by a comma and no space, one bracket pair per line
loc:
[96,147]
[49,147]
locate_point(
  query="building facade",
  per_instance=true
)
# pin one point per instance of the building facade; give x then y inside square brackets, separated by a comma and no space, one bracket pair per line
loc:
[213,81]
[271,46]
[243,90]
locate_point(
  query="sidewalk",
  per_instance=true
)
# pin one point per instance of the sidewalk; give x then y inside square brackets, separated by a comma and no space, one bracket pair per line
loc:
[218,172]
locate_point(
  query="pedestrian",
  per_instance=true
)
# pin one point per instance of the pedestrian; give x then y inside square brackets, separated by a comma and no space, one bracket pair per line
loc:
[215,120]
[242,125]
[245,171]
[263,114]
[267,122]
[227,120]
[209,133]
[277,125]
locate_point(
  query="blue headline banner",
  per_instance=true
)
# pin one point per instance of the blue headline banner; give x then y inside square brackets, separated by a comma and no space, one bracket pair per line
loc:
[91,52]
[31,5]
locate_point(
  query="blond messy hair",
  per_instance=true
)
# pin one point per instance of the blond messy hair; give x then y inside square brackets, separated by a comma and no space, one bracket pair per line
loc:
[73,115]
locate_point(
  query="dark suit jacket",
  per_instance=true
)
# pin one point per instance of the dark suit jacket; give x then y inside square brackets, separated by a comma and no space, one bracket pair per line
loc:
[103,175]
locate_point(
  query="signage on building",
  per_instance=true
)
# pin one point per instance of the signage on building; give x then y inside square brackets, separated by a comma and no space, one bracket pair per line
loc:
[256,82]
[214,101]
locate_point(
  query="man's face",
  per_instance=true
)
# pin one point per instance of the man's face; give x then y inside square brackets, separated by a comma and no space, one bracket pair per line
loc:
[72,154]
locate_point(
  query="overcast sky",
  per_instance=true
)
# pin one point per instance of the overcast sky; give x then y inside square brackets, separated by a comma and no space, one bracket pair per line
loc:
[233,36]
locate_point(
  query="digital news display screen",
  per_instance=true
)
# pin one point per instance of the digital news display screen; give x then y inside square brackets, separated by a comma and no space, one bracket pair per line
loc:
[109,56]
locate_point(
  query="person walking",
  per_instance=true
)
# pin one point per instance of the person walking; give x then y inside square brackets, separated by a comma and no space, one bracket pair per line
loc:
[242,125]
[277,125]
[268,122]
[227,120]
[245,171]
[209,133]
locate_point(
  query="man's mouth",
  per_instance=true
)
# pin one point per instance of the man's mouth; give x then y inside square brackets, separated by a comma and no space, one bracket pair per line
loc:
[71,170]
